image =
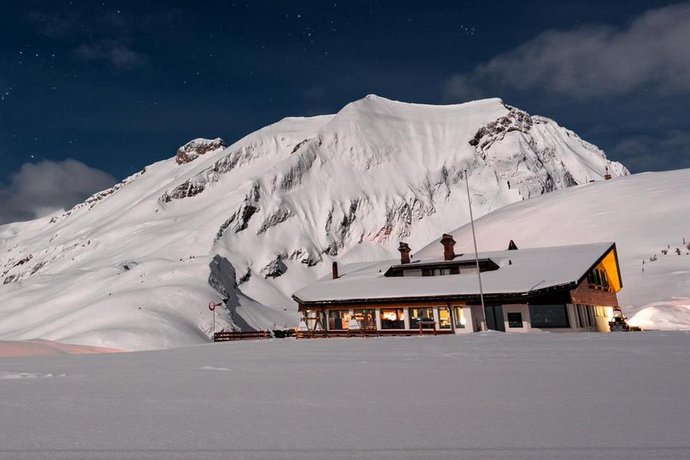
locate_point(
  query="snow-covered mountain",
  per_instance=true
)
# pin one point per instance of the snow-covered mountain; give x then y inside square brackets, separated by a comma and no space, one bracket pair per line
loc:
[647,215]
[135,266]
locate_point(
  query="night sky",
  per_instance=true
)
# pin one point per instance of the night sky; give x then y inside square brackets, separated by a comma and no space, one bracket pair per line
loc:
[115,86]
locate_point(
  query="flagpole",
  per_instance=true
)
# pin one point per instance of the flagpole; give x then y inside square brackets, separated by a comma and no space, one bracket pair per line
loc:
[476,255]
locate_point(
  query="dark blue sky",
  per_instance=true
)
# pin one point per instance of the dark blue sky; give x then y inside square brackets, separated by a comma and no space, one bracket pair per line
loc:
[118,85]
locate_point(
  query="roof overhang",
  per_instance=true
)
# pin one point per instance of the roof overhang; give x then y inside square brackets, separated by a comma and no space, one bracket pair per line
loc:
[610,260]
[506,296]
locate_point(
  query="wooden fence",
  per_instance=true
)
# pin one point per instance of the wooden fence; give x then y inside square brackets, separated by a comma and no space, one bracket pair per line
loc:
[256,335]
[224,336]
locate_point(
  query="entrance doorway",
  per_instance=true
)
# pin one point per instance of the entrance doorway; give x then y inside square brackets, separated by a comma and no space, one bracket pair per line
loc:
[494,318]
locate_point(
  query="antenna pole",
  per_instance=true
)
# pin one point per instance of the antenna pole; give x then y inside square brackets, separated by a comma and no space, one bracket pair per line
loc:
[476,255]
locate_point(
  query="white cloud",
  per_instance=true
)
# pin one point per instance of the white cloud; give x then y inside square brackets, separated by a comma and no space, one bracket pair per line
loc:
[38,189]
[116,53]
[98,35]
[651,53]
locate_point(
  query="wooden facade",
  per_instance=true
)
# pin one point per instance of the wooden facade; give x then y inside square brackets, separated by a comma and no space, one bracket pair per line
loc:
[587,293]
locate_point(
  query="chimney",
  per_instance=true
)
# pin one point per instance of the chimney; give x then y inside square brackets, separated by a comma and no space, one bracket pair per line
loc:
[405,250]
[335,270]
[448,242]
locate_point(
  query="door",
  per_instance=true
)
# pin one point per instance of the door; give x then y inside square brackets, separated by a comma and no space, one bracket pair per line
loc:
[494,318]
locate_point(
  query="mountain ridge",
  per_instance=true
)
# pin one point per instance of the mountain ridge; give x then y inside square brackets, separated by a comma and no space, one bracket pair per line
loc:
[274,208]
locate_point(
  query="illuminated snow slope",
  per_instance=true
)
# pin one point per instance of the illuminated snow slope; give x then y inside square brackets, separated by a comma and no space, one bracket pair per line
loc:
[645,214]
[135,266]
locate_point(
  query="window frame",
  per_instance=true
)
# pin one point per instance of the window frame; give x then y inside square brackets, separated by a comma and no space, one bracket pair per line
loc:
[521,320]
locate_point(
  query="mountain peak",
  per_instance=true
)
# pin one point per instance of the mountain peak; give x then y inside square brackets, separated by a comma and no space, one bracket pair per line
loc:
[373,101]
[253,222]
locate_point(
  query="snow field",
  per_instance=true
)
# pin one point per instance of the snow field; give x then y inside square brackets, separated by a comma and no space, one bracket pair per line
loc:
[489,395]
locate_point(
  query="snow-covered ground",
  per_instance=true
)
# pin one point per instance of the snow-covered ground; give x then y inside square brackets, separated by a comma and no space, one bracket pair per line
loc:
[488,395]
[647,216]
[130,267]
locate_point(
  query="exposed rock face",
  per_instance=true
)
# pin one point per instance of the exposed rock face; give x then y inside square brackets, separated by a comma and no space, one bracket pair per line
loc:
[192,149]
[514,120]
[275,268]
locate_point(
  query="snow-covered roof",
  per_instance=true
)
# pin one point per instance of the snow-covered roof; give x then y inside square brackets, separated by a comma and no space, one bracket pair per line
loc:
[522,271]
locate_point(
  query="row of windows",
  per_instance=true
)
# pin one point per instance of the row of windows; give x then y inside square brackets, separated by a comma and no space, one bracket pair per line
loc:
[598,278]
[394,318]
[556,316]
[541,316]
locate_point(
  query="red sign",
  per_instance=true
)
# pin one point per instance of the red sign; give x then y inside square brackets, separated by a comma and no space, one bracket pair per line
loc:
[212,306]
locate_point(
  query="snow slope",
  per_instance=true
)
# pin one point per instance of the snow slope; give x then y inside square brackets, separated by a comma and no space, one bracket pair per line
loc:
[135,266]
[480,396]
[40,347]
[647,215]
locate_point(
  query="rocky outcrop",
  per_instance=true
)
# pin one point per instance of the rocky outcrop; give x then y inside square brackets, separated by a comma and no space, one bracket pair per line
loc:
[198,183]
[278,217]
[187,189]
[515,120]
[194,148]
[275,268]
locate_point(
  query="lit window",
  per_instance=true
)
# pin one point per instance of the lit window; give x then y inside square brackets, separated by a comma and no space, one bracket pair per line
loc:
[338,319]
[459,314]
[420,314]
[444,318]
[366,318]
[392,318]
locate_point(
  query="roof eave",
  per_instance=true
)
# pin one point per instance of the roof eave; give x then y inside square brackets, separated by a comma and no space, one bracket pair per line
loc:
[445,298]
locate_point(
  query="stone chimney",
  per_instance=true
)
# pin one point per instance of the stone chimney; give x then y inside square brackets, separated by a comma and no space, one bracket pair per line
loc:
[335,270]
[405,250]
[448,242]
